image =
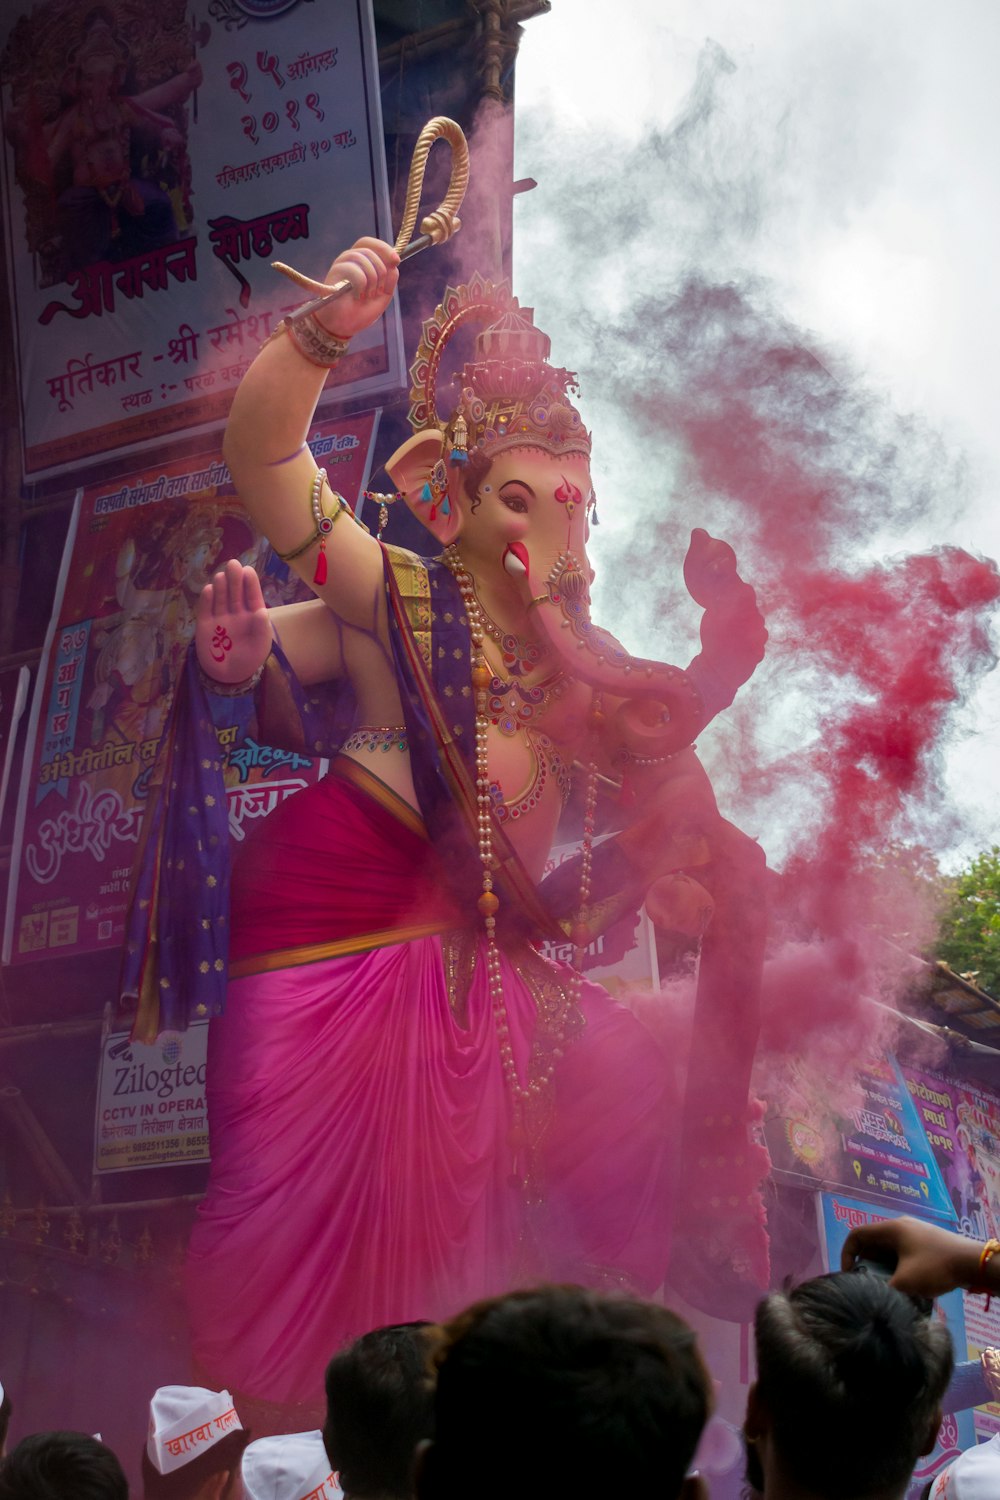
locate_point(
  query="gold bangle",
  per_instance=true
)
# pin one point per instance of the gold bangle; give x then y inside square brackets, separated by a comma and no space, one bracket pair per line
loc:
[311,339]
[230,689]
[539,599]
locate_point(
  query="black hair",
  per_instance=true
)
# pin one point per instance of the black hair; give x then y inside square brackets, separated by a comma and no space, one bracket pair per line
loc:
[379,1398]
[573,1388]
[5,1411]
[62,1466]
[851,1373]
[476,469]
[185,1481]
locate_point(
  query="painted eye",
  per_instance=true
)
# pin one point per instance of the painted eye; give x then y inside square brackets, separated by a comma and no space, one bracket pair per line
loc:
[515,503]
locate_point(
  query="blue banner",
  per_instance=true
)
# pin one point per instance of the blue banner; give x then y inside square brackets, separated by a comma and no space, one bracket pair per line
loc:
[838,1215]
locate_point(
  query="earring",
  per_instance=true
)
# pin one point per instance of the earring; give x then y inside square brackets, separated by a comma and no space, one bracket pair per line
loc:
[459,440]
[435,491]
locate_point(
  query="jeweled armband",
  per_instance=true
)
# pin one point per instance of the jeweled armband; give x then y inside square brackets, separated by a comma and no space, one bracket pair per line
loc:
[324,525]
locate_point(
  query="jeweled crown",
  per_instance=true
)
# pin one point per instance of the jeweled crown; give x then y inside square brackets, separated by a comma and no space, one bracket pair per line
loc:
[510,395]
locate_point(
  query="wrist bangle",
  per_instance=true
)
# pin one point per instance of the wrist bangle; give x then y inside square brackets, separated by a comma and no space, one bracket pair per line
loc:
[986,1254]
[230,689]
[311,339]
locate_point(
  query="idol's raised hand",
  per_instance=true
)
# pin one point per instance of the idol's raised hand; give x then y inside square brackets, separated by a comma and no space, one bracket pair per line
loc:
[232,631]
[371,266]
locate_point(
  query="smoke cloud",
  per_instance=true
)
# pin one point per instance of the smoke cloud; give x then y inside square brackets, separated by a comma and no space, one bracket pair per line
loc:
[710,406]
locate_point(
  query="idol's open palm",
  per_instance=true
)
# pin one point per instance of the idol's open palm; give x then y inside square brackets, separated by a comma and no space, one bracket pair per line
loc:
[232,632]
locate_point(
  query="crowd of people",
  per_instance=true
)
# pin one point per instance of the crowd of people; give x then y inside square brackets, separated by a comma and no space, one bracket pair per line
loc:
[560,1391]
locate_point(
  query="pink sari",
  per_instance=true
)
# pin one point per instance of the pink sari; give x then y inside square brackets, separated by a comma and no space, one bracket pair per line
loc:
[361,1156]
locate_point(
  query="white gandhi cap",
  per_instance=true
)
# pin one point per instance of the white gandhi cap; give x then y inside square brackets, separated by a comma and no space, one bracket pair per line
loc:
[293,1467]
[975,1475]
[185,1421]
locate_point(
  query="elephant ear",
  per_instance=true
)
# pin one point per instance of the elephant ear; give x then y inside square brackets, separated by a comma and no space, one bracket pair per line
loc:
[410,469]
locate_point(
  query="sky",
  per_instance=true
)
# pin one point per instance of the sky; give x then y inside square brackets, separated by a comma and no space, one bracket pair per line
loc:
[834,164]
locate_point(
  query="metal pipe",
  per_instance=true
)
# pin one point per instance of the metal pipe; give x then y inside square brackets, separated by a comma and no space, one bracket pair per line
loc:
[13,1036]
[90,1210]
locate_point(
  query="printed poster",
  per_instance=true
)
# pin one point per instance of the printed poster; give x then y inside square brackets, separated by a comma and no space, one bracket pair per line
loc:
[838,1215]
[151,1108]
[962,1121]
[873,1143]
[138,553]
[623,957]
[156,160]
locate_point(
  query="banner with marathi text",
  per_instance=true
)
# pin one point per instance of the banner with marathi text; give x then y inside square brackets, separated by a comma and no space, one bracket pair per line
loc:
[138,554]
[156,160]
[624,957]
[962,1121]
[873,1143]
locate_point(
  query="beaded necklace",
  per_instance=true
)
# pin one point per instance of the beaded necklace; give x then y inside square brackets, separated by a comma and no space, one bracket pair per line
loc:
[526,1097]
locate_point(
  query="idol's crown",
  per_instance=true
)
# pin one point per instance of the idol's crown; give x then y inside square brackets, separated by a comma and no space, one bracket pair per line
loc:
[510,395]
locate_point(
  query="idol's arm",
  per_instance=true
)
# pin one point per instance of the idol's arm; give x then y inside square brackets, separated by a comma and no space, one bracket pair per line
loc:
[312,639]
[265,443]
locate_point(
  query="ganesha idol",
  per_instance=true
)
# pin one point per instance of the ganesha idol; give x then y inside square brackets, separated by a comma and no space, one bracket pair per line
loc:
[410,1106]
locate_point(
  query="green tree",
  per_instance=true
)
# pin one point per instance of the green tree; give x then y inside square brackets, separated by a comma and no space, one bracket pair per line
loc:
[969,936]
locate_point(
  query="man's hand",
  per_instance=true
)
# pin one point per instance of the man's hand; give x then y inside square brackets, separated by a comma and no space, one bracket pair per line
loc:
[929,1260]
[232,632]
[371,266]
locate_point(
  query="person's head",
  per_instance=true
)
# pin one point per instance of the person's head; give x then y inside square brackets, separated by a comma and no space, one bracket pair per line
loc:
[212,1475]
[194,1446]
[5,1411]
[62,1466]
[288,1468]
[850,1376]
[559,1389]
[379,1406]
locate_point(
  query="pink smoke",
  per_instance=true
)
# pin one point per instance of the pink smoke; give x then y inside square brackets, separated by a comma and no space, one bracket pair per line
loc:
[801,471]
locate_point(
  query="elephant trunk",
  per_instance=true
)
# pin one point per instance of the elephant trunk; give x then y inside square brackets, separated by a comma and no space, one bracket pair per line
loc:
[663,709]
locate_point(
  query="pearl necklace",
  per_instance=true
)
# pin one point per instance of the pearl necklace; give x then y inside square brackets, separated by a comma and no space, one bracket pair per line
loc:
[540,1078]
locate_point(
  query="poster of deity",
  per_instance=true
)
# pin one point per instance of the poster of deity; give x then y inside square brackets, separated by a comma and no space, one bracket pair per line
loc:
[155,162]
[138,553]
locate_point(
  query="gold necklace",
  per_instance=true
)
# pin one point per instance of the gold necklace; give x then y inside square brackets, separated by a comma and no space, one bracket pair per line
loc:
[512,706]
[541,1069]
[520,654]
